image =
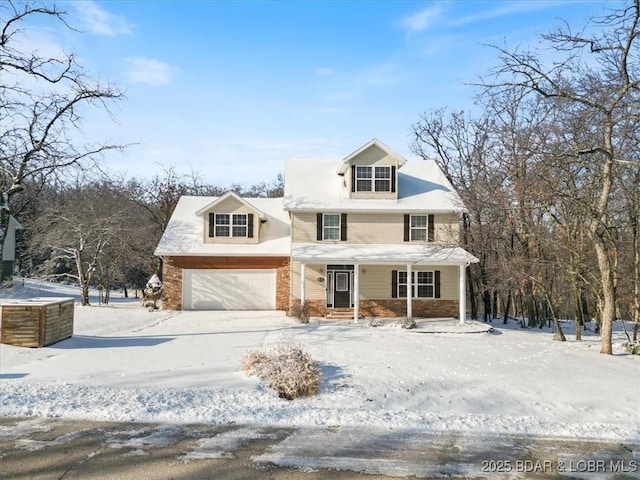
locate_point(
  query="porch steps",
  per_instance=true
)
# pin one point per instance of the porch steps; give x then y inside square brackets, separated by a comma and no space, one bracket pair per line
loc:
[339,314]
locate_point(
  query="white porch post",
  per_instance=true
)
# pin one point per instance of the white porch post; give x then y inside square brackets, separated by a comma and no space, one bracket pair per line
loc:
[302,285]
[462,297]
[356,292]
[409,292]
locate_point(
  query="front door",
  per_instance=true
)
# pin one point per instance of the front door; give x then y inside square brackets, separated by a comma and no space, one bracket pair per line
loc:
[341,289]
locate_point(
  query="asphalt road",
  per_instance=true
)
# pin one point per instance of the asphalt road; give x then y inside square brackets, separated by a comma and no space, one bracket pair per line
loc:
[63,449]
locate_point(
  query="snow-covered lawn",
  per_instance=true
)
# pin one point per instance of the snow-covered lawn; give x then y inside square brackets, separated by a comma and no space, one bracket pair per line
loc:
[125,363]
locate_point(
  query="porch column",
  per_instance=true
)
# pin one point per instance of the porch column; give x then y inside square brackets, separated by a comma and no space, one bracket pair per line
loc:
[462,297]
[356,292]
[409,292]
[303,280]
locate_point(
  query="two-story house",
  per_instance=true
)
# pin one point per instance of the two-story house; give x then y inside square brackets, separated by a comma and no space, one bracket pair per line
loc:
[372,233]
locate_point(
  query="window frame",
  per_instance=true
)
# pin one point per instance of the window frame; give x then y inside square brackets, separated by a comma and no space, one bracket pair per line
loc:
[362,178]
[337,228]
[415,229]
[231,225]
[387,178]
[416,284]
[373,175]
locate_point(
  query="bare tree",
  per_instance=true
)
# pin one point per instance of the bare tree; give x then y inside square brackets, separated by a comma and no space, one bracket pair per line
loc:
[597,78]
[41,100]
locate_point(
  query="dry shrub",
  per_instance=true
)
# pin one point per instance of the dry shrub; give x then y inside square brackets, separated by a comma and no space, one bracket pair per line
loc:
[286,369]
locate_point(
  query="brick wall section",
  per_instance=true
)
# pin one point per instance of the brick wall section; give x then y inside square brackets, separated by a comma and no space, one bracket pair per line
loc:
[172,283]
[398,308]
[173,266]
[388,308]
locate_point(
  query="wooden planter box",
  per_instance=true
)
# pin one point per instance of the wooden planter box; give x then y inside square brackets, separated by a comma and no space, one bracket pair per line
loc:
[37,322]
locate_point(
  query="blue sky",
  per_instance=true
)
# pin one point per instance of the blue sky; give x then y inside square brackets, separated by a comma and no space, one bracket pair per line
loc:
[232,89]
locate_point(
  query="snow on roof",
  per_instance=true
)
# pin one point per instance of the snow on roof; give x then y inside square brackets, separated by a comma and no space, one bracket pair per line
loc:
[312,184]
[184,234]
[382,254]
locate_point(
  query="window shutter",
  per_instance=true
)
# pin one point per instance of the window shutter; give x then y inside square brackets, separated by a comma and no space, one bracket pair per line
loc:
[393,179]
[406,228]
[353,178]
[319,227]
[250,225]
[431,229]
[343,227]
[394,283]
[212,224]
[437,283]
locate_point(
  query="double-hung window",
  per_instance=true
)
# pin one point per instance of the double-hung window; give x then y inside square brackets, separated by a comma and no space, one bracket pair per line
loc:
[363,178]
[383,179]
[425,284]
[331,226]
[419,225]
[239,225]
[231,225]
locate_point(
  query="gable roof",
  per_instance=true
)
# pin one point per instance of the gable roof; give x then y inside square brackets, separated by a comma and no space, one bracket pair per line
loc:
[314,185]
[237,197]
[184,235]
[346,161]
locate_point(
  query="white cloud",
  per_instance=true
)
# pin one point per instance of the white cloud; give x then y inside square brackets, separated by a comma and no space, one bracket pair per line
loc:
[423,20]
[149,71]
[325,71]
[100,22]
[509,8]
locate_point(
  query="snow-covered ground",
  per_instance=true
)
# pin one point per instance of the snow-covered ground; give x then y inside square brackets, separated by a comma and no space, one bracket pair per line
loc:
[125,363]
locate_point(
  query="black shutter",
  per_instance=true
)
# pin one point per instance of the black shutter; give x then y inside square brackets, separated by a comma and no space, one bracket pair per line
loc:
[353,178]
[212,224]
[431,232]
[437,283]
[250,225]
[393,179]
[343,227]
[319,226]
[394,283]
[406,228]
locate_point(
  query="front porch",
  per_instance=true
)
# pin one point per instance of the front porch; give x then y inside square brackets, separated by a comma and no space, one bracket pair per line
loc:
[355,281]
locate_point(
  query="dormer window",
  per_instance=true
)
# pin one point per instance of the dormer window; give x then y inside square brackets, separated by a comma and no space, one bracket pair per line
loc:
[236,225]
[373,178]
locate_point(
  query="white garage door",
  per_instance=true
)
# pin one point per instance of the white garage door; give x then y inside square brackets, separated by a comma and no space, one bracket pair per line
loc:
[229,289]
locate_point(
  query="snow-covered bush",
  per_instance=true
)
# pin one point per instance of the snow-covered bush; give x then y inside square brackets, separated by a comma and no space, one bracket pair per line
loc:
[286,369]
[632,347]
[407,323]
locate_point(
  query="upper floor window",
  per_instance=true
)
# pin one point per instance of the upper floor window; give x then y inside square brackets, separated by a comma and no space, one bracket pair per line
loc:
[373,179]
[231,225]
[419,227]
[331,226]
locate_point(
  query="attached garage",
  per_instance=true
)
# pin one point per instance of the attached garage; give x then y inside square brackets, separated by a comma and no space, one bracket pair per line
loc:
[227,289]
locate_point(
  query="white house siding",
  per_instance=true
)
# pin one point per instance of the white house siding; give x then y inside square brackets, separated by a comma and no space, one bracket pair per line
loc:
[314,290]
[232,205]
[375,281]
[372,156]
[373,228]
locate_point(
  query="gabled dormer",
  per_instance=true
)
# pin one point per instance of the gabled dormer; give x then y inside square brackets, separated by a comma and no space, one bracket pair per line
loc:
[231,219]
[371,172]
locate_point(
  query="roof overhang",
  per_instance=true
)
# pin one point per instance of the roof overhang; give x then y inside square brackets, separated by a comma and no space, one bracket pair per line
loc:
[234,195]
[381,254]
[346,162]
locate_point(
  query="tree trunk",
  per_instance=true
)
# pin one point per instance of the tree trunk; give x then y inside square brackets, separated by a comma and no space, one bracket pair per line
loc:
[608,310]
[507,308]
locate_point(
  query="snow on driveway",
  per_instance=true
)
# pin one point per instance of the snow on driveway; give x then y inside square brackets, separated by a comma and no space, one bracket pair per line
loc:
[127,364]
